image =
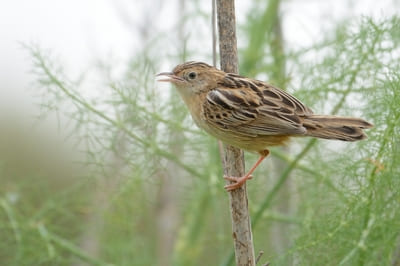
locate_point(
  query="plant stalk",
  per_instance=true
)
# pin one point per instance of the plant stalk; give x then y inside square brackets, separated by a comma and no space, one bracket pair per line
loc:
[234,159]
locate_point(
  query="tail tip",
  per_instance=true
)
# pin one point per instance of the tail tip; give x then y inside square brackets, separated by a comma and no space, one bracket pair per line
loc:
[367,124]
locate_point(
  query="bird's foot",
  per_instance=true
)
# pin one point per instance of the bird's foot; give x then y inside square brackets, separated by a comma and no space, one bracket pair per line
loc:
[239,181]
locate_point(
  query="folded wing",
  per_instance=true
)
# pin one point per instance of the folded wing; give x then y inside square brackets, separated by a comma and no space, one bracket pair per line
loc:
[253,108]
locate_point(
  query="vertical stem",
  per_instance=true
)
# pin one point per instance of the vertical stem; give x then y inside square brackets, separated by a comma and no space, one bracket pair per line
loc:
[214,32]
[234,159]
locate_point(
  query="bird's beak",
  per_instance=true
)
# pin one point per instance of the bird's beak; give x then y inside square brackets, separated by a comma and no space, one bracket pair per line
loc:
[170,77]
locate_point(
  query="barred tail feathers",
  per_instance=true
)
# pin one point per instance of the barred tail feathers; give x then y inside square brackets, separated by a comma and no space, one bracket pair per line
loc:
[336,127]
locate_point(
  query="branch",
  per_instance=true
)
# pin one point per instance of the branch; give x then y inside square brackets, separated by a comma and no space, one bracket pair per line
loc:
[234,159]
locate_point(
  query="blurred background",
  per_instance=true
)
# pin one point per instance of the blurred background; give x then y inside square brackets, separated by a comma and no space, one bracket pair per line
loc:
[99,165]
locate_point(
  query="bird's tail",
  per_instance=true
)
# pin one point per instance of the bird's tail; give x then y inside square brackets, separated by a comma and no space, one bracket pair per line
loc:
[336,127]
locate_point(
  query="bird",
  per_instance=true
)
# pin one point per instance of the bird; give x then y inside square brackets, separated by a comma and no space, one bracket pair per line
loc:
[251,114]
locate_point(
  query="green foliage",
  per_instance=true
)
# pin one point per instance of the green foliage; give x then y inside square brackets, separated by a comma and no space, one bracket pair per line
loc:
[149,171]
[352,219]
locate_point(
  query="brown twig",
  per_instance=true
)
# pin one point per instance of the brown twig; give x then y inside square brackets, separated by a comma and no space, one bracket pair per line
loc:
[234,159]
[260,253]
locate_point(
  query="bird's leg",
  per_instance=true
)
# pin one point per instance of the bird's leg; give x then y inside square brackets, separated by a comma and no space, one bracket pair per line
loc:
[239,181]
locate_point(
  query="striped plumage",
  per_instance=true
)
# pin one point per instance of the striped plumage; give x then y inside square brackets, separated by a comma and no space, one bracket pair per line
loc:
[251,114]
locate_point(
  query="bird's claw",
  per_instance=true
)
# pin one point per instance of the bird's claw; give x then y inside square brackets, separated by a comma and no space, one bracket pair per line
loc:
[238,182]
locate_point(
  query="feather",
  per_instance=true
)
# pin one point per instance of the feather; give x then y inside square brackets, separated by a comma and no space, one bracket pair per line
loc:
[254,109]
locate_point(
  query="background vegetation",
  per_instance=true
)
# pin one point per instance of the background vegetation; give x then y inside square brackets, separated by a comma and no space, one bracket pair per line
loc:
[148,188]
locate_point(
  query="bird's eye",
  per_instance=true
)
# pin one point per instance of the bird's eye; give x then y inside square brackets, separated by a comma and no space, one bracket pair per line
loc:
[192,75]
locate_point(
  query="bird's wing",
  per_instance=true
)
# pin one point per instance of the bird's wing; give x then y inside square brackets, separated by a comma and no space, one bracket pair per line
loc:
[252,108]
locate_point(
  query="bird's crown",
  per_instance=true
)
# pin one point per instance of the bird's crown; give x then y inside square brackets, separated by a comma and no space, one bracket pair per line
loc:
[191,65]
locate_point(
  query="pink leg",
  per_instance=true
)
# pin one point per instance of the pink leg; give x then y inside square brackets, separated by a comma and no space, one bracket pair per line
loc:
[239,181]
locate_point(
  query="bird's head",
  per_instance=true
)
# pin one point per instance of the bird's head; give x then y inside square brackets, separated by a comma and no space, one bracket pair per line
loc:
[193,77]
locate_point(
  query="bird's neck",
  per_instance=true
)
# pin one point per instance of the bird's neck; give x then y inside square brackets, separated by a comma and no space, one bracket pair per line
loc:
[193,101]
